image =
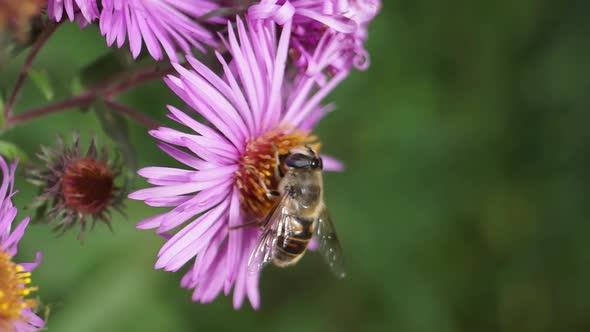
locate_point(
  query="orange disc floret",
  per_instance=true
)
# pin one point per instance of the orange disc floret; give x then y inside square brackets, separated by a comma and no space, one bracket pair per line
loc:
[259,163]
[14,287]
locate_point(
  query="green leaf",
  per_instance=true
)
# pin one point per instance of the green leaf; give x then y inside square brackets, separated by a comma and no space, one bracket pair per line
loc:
[41,80]
[116,127]
[105,67]
[11,151]
[76,86]
[40,207]
[6,47]
[11,47]
[2,119]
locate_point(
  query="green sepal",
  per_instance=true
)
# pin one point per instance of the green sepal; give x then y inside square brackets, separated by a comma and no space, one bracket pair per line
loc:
[104,68]
[41,80]
[11,151]
[116,127]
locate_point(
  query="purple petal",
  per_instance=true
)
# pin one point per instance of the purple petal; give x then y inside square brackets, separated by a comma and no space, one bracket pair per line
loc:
[235,240]
[31,266]
[190,233]
[173,190]
[11,242]
[332,164]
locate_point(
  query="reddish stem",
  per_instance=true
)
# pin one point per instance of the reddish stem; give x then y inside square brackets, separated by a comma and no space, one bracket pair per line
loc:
[63,105]
[49,30]
[132,113]
[106,89]
[135,79]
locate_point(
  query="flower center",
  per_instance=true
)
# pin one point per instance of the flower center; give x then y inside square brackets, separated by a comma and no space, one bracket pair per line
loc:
[87,186]
[13,289]
[259,164]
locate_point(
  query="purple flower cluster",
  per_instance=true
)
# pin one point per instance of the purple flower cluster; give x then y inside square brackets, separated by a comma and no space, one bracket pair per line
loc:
[165,26]
[82,11]
[324,31]
[274,63]
[327,33]
[256,100]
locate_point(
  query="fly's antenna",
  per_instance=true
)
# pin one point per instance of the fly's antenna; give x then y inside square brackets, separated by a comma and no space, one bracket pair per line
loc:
[311,151]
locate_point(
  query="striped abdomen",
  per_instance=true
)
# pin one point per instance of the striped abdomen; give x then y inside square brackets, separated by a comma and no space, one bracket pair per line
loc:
[293,241]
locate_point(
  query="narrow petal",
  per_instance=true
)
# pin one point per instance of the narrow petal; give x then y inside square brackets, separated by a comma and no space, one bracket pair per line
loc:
[332,164]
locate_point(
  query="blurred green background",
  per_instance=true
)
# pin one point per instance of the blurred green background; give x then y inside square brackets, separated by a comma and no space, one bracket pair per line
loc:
[464,205]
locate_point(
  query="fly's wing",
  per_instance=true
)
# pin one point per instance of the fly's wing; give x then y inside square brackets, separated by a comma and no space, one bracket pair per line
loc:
[273,225]
[329,244]
[262,253]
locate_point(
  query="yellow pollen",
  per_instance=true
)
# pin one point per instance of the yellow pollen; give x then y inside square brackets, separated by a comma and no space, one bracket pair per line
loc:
[258,164]
[13,289]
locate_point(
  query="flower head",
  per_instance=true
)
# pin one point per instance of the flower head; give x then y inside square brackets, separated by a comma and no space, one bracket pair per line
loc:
[327,34]
[77,187]
[83,11]
[171,25]
[252,108]
[16,311]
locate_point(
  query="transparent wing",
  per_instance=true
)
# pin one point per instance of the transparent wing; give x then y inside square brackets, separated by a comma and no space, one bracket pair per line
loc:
[262,253]
[272,225]
[329,245]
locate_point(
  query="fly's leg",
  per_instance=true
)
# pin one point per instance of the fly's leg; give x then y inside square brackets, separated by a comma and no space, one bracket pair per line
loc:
[270,194]
[277,170]
[246,224]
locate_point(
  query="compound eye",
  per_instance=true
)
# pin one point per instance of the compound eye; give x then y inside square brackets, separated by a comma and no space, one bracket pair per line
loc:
[298,160]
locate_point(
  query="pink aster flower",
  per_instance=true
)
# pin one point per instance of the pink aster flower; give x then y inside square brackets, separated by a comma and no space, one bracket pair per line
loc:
[327,33]
[250,110]
[16,312]
[168,25]
[84,11]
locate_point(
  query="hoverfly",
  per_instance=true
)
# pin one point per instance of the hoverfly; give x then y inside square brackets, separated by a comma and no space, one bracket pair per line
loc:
[298,214]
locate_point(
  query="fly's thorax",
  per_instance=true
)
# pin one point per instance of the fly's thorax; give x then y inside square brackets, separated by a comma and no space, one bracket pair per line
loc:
[306,189]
